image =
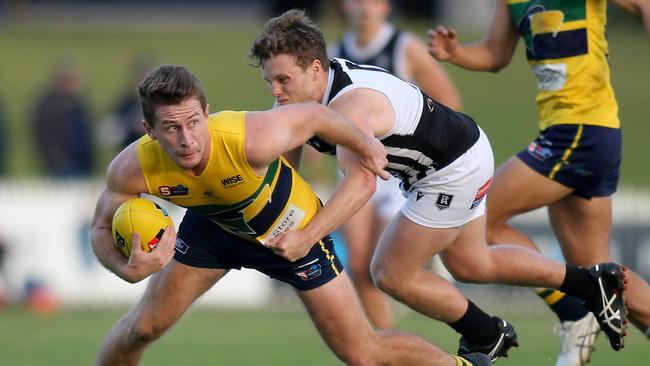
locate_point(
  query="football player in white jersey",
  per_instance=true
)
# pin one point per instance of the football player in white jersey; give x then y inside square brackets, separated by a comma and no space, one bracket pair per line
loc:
[372,40]
[445,164]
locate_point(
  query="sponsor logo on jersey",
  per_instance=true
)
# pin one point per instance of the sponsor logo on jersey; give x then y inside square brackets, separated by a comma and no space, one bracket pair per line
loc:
[208,194]
[444,200]
[232,181]
[310,273]
[180,246]
[290,220]
[538,151]
[418,195]
[179,190]
[480,194]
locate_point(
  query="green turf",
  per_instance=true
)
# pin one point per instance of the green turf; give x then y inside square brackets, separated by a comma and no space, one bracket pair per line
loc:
[231,337]
[502,103]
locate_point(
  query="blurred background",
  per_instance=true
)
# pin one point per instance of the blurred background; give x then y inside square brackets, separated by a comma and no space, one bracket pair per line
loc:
[68,71]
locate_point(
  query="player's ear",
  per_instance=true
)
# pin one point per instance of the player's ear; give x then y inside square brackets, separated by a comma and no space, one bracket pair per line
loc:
[207,110]
[148,129]
[315,68]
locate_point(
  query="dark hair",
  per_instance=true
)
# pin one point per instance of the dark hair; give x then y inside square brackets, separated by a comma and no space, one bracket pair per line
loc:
[168,85]
[291,33]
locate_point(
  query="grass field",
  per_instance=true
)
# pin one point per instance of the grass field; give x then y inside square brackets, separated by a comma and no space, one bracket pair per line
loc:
[274,338]
[502,103]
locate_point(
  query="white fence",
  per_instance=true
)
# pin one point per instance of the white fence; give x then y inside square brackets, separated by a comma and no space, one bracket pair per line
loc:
[45,225]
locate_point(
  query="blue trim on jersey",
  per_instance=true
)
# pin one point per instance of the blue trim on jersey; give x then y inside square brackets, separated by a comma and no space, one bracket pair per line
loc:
[563,44]
[281,192]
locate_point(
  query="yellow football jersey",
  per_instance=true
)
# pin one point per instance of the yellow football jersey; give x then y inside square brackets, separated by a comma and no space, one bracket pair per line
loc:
[228,191]
[567,51]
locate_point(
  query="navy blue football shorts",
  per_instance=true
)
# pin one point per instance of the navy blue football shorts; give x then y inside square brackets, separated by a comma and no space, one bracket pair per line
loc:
[583,157]
[202,243]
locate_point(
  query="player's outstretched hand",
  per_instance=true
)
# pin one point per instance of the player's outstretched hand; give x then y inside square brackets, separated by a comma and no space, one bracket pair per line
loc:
[291,245]
[374,158]
[142,264]
[442,43]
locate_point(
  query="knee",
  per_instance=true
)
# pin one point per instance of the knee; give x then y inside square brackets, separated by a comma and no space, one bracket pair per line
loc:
[144,330]
[386,278]
[362,352]
[472,273]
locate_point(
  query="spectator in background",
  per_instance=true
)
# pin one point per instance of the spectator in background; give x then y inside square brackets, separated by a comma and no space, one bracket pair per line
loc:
[62,125]
[372,39]
[125,124]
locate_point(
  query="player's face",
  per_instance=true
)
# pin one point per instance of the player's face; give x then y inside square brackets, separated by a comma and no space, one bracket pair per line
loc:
[289,82]
[182,130]
[366,14]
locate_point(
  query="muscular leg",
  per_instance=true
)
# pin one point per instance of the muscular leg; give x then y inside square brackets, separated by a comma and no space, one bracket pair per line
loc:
[398,268]
[349,334]
[583,227]
[406,246]
[169,293]
[469,259]
[361,235]
[511,195]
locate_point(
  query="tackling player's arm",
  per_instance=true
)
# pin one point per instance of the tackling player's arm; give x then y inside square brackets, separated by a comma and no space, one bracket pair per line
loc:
[357,185]
[638,7]
[125,181]
[429,75]
[493,53]
[276,131]
[293,156]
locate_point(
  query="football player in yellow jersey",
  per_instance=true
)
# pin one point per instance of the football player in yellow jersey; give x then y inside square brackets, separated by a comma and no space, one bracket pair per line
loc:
[574,163]
[185,143]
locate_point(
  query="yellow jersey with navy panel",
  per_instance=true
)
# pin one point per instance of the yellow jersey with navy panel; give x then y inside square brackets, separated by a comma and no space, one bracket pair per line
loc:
[228,191]
[232,210]
[579,144]
[567,51]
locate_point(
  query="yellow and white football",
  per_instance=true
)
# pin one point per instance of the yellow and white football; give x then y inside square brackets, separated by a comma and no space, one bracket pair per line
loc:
[142,216]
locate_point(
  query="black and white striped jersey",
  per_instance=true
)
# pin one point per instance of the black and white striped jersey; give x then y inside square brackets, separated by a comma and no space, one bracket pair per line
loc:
[426,136]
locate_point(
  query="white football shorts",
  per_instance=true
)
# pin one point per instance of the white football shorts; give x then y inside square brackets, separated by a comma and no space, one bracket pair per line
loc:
[455,194]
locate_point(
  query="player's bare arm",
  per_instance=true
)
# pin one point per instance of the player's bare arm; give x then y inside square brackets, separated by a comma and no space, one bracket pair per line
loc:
[429,75]
[293,156]
[276,131]
[638,7]
[493,53]
[125,181]
[374,117]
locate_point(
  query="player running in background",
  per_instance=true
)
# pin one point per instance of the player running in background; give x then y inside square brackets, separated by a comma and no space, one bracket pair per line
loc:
[445,164]
[372,40]
[229,222]
[574,163]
